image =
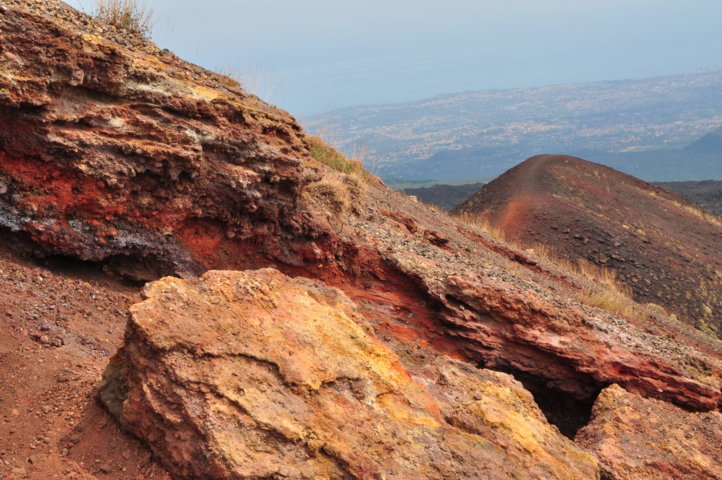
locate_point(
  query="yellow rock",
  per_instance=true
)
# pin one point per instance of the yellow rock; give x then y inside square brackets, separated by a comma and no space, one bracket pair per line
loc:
[255,374]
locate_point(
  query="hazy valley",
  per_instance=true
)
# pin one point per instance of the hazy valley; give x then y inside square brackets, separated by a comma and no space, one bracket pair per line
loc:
[641,127]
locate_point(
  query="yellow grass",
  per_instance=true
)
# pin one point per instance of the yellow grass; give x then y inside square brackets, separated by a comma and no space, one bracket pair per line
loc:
[610,301]
[482,223]
[609,293]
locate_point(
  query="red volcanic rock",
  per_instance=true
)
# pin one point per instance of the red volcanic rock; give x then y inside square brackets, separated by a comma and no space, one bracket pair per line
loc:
[574,351]
[108,151]
[638,439]
[663,247]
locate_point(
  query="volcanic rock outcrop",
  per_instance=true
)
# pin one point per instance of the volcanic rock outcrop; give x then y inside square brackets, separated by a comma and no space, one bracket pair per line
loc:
[639,439]
[129,153]
[663,247]
[256,375]
[119,153]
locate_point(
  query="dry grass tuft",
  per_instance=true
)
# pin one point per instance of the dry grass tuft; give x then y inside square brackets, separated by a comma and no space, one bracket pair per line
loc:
[609,294]
[480,222]
[609,300]
[128,15]
[339,193]
[331,157]
[604,276]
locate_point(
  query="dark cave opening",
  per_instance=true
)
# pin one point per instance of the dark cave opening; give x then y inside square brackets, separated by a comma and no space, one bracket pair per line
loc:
[567,411]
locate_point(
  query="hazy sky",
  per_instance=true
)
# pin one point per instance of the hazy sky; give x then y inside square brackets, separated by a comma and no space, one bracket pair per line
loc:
[314,55]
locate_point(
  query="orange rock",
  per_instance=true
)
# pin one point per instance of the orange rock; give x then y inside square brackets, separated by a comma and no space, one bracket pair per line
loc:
[253,374]
[636,438]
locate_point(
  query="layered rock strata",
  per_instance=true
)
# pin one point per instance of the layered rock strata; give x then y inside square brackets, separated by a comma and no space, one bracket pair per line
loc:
[109,151]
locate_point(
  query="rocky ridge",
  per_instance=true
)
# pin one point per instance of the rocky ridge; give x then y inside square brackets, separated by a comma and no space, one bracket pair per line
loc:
[224,181]
[111,152]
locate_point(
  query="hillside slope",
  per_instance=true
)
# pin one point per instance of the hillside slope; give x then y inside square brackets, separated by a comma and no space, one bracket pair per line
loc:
[299,323]
[664,247]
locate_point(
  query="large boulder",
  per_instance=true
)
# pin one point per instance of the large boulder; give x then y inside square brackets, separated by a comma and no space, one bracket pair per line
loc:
[241,375]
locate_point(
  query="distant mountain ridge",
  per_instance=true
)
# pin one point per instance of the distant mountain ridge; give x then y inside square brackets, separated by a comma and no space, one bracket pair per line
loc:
[708,144]
[638,126]
[445,197]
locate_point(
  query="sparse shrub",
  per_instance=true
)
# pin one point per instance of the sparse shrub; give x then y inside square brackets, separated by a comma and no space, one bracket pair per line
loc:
[328,155]
[604,276]
[609,294]
[128,15]
[335,191]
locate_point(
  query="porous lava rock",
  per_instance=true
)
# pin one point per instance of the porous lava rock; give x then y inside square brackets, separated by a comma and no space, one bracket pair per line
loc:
[638,439]
[109,150]
[256,375]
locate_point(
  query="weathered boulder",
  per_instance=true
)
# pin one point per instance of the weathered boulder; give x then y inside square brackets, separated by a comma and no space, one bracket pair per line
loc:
[636,438]
[257,375]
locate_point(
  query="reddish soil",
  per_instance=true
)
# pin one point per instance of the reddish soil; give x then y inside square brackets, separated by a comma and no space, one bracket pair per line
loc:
[664,247]
[59,324]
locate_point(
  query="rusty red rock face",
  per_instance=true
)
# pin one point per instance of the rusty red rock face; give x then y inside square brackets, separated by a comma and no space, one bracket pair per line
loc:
[108,151]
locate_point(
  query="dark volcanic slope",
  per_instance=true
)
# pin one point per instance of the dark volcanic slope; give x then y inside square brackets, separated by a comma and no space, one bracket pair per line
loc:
[445,197]
[707,194]
[664,247]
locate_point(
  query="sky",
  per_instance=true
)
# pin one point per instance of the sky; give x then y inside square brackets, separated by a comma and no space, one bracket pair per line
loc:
[312,56]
